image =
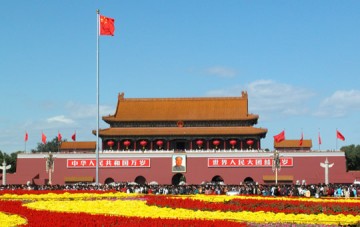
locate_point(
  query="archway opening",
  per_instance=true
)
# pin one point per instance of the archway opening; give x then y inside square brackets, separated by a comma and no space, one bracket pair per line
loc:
[217,180]
[248,180]
[109,180]
[140,180]
[177,178]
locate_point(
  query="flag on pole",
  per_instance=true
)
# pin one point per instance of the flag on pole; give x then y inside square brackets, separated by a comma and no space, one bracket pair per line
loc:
[107,26]
[43,138]
[26,138]
[73,137]
[319,139]
[59,136]
[280,137]
[339,136]
[301,139]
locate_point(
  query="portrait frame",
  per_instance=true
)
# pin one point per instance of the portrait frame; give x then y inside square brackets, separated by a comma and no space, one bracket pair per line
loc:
[173,163]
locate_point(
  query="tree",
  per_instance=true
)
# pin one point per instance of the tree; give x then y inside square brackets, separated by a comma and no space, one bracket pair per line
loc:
[52,146]
[10,160]
[352,155]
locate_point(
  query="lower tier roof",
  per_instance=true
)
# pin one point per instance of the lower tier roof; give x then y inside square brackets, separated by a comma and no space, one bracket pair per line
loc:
[183,131]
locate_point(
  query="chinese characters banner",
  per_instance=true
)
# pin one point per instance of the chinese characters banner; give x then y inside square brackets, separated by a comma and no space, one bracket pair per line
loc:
[247,162]
[104,163]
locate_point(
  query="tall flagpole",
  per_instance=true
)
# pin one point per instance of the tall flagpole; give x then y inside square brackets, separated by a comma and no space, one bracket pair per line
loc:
[97,97]
[336,139]
[25,139]
[319,139]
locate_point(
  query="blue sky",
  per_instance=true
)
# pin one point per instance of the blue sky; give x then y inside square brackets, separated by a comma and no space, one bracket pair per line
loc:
[298,61]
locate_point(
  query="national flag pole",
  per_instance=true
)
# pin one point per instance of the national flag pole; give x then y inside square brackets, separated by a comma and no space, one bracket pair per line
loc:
[26,139]
[105,26]
[336,139]
[97,97]
[319,139]
[58,143]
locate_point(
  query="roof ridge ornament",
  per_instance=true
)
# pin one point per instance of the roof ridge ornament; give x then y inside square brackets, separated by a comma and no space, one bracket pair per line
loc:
[244,94]
[121,96]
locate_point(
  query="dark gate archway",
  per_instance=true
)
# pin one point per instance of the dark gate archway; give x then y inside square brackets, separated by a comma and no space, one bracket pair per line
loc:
[109,180]
[248,180]
[140,180]
[217,179]
[177,178]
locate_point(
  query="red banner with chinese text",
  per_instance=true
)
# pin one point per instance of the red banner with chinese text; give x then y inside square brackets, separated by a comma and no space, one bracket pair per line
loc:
[248,162]
[107,163]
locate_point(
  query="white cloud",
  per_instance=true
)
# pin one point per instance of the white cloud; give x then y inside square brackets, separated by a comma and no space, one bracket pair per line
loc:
[340,103]
[267,96]
[60,119]
[221,71]
[80,111]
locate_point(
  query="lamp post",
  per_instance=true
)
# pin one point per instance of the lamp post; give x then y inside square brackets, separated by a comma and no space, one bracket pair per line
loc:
[276,165]
[50,166]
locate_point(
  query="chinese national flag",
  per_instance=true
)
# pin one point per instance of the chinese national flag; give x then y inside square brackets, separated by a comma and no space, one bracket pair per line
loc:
[26,137]
[59,137]
[301,140]
[280,137]
[43,138]
[73,137]
[107,26]
[340,136]
[319,139]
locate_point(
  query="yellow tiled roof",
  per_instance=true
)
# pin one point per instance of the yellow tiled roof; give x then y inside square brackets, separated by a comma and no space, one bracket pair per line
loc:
[89,145]
[185,109]
[293,144]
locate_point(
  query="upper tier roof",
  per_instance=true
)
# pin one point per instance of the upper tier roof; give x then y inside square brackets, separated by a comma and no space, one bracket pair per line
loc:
[185,109]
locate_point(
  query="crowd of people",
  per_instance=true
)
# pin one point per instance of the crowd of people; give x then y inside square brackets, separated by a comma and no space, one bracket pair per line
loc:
[313,190]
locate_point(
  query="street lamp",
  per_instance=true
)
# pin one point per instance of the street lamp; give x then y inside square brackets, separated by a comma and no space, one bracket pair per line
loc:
[276,165]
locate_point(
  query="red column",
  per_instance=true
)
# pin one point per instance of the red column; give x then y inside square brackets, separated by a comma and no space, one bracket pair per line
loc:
[190,144]
[118,146]
[241,145]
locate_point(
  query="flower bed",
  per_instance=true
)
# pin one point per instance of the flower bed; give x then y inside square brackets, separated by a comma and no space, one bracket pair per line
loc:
[59,208]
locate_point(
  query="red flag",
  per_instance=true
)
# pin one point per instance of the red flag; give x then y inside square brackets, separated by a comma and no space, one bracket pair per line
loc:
[340,136]
[319,139]
[59,137]
[107,26]
[280,137]
[73,137]
[26,137]
[43,138]
[301,139]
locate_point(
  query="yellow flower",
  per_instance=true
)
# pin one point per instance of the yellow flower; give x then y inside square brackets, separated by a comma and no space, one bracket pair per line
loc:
[11,220]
